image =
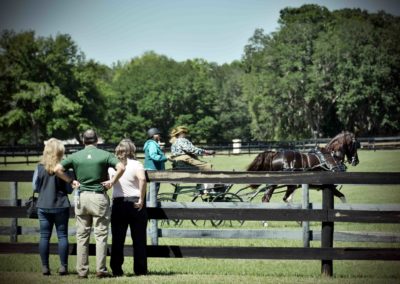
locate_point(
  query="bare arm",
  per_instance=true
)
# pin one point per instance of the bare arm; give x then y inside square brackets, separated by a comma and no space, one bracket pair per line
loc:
[120,167]
[60,172]
[142,187]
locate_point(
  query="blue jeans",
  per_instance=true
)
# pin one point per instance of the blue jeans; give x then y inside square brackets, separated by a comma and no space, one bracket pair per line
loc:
[48,218]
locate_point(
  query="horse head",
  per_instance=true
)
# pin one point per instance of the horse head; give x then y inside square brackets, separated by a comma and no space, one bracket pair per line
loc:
[330,162]
[344,145]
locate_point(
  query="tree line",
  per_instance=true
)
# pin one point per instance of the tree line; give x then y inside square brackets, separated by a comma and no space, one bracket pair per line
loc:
[320,73]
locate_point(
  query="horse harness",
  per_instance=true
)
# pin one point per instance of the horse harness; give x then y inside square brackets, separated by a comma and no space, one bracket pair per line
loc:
[322,162]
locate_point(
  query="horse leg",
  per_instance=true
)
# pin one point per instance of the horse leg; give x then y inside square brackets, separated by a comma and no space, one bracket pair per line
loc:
[266,198]
[339,194]
[268,194]
[289,193]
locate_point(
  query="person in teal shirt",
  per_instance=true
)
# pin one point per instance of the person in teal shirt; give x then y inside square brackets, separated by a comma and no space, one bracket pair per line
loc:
[154,157]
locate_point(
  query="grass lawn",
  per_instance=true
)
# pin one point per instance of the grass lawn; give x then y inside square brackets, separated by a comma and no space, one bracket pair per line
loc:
[23,268]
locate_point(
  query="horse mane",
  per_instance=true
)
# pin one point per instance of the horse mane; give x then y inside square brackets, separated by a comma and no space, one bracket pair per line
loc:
[340,138]
[324,150]
[262,161]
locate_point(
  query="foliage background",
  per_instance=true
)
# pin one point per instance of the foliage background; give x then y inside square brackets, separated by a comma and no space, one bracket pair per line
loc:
[320,73]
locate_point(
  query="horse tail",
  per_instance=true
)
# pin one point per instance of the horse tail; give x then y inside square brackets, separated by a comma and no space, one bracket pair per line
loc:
[262,162]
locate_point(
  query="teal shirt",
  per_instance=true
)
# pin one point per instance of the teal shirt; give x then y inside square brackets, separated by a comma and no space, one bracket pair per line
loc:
[91,167]
[154,158]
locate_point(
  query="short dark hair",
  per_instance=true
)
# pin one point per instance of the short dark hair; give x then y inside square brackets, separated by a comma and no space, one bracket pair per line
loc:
[89,137]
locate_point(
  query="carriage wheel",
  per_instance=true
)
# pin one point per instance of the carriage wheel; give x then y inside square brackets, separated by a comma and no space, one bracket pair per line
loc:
[173,222]
[200,198]
[227,197]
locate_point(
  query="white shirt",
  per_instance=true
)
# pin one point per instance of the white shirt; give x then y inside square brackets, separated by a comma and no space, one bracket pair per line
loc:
[128,184]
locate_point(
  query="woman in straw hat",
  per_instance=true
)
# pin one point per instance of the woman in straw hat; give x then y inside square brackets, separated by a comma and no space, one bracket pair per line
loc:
[183,150]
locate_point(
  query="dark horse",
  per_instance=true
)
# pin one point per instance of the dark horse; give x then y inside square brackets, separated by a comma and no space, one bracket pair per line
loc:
[330,158]
[344,145]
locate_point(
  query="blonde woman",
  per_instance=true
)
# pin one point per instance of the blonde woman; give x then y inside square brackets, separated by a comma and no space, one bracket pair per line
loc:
[53,205]
[128,209]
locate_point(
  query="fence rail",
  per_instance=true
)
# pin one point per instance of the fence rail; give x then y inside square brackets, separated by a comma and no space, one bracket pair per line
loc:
[316,178]
[230,252]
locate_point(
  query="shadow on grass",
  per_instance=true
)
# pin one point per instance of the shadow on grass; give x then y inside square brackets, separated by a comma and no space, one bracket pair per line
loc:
[153,273]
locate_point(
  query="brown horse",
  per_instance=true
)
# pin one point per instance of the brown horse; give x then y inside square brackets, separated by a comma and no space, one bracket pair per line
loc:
[330,158]
[344,145]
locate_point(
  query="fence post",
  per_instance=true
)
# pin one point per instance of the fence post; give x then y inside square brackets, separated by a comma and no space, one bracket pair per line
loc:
[236,146]
[306,224]
[327,232]
[153,222]
[14,221]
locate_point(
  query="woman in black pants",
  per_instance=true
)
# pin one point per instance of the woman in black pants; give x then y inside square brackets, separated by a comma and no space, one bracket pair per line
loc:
[128,209]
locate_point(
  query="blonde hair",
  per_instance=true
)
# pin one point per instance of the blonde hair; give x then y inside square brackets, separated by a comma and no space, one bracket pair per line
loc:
[52,154]
[125,149]
[176,131]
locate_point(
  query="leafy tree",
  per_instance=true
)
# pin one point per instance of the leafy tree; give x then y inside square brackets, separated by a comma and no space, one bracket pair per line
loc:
[367,83]
[233,117]
[155,91]
[324,71]
[47,89]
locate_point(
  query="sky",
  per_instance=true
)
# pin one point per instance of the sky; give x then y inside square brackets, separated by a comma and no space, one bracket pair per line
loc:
[119,30]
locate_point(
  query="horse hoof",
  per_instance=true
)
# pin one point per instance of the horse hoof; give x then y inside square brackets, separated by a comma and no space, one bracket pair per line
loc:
[289,199]
[343,199]
[265,223]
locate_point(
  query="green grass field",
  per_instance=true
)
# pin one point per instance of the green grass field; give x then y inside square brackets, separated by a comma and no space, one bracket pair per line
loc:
[24,268]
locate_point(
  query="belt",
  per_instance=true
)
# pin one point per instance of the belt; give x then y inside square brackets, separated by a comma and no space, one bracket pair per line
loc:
[92,191]
[133,199]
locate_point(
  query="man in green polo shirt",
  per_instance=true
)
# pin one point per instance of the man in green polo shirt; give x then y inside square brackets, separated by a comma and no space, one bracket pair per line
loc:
[91,169]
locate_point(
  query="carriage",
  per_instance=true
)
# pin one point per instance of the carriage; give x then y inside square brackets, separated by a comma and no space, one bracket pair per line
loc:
[330,158]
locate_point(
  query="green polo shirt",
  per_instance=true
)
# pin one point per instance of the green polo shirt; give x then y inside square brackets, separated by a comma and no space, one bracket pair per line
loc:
[91,167]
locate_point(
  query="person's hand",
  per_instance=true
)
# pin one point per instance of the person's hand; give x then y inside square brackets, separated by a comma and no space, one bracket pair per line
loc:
[169,158]
[107,184]
[139,204]
[75,184]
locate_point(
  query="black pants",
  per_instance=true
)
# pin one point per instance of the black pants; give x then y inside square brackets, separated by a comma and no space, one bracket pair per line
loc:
[123,214]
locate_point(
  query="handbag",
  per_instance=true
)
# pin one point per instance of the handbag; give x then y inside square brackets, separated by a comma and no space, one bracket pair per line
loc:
[31,209]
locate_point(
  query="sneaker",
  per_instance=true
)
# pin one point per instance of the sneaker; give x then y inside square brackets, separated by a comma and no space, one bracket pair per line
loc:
[46,270]
[63,271]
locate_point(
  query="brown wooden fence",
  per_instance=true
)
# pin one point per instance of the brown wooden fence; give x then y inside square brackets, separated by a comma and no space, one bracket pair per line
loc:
[327,215]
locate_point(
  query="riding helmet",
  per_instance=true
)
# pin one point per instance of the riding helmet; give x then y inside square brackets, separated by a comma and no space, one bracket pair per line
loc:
[153,131]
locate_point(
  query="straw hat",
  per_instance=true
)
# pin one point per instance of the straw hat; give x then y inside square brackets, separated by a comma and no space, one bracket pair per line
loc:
[178,130]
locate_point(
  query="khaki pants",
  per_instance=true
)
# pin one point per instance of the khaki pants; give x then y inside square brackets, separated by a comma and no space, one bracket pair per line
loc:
[201,165]
[93,210]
